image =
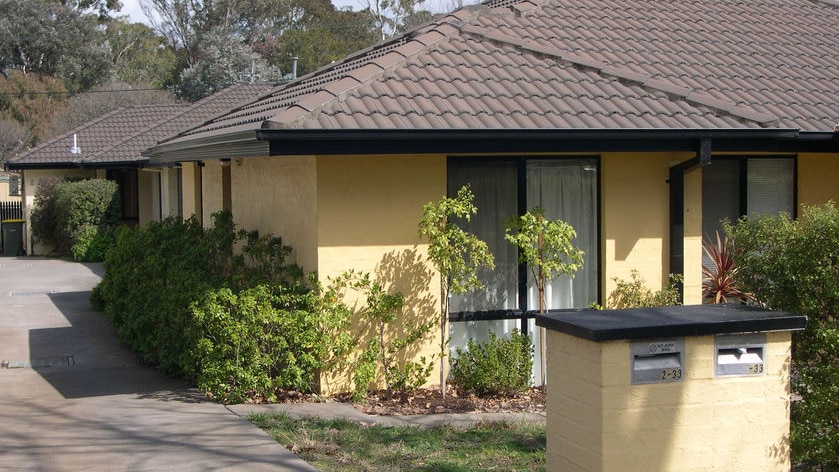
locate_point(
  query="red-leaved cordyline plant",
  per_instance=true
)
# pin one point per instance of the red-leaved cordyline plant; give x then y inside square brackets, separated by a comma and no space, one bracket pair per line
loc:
[718,284]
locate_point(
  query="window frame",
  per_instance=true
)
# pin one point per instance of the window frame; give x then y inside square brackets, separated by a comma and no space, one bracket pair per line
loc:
[520,164]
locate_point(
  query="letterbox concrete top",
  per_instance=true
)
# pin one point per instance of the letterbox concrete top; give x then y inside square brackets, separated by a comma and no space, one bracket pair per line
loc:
[671,321]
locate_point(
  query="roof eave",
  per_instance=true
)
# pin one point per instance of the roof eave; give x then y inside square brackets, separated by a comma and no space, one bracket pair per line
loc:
[338,142]
[217,146]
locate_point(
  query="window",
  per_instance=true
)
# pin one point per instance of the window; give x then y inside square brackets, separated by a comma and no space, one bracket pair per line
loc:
[566,189]
[14,186]
[746,186]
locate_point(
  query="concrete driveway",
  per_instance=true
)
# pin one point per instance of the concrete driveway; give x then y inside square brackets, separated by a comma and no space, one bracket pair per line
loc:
[72,399]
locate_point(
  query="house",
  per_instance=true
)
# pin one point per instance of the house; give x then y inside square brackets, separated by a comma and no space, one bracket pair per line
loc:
[643,124]
[110,147]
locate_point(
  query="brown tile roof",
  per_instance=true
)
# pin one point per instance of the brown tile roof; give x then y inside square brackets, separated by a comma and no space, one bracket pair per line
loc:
[94,136]
[121,135]
[577,64]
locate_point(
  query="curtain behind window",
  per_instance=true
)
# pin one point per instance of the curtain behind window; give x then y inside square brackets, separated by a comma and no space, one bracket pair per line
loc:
[494,187]
[567,190]
[770,186]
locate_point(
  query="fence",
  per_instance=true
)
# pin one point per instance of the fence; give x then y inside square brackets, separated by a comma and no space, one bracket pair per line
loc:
[11,210]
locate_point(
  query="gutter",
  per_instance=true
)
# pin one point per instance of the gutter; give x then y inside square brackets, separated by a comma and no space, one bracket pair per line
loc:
[480,141]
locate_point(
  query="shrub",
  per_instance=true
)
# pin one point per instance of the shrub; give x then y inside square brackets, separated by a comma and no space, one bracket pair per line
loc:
[92,243]
[793,265]
[719,280]
[67,211]
[380,310]
[497,366]
[261,340]
[634,293]
[44,215]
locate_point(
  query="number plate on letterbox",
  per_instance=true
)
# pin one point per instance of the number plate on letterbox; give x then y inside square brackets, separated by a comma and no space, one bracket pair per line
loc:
[657,361]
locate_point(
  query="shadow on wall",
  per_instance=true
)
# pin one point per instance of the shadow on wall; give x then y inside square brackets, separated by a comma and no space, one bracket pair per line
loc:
[405,272]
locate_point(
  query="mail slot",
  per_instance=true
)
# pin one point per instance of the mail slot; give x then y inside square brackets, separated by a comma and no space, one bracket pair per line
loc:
[657,361]
[741,354]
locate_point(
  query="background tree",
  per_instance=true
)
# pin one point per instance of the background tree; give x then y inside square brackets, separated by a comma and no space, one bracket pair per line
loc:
[455,253]
[393,16]
[86,106]
[221,63]
[139,56]
[101,7]
[13,139]
[793,265]
[32,101]
[49,39]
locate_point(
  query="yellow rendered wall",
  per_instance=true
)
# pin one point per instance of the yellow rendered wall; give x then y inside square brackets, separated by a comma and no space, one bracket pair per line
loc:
[191,185]
[693,238]
[278,195]
[368,211]
[598,421]
[148,189]
[635,216]
[818,179]
[30,179]
[211,196]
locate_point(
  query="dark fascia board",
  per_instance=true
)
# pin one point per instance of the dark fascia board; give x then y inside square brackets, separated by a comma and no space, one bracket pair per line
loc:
[40,165]
[675,321]
[288,142]
[76,165]
[319,142]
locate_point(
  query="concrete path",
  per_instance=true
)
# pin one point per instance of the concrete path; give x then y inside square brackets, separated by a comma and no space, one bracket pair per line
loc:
[71,399]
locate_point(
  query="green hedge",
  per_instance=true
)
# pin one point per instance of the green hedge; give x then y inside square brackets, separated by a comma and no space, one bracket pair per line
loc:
[239,326]
[79,213]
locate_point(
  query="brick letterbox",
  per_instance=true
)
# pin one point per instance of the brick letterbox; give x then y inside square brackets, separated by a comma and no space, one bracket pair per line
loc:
[684,388]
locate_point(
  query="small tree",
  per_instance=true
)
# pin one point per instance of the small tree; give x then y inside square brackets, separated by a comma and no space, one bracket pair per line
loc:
[545,246]
[793,265]
[380,310]
[457,255]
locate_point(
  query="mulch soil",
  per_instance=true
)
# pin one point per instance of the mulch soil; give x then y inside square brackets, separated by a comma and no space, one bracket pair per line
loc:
[426,401]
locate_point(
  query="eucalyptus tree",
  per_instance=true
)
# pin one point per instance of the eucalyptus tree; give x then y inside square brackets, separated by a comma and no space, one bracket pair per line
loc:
[47,38]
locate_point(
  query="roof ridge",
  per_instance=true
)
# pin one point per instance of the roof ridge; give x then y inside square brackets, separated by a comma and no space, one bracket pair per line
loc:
[695,97]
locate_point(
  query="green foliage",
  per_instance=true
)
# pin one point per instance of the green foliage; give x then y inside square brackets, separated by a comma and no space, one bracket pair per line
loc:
[385,351]
[262,340]
[139,55]
[92,243]
[793,265]
[222,63]
[634,293]
[457,255]
[45,215]
[46,38]
[69,211]
[497,366]
[545,246]
[153,275]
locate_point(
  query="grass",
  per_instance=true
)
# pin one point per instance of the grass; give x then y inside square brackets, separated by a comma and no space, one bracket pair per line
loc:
[344,445]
